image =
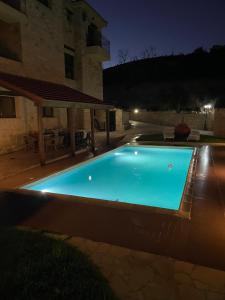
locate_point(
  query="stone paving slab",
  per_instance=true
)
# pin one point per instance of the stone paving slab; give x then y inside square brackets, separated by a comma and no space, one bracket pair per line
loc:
[136,275]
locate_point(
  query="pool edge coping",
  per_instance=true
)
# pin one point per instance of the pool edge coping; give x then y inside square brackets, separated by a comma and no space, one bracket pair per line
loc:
[185,206]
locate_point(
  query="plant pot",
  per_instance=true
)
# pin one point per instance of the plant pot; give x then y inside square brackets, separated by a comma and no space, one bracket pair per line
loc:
[182,131]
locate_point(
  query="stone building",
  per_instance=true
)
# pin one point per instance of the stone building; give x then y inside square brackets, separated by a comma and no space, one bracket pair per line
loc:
[57,41]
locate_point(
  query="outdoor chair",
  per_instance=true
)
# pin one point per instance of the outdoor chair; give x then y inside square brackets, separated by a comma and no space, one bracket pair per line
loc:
[82,138]
[30,142]
[59,141]
[50,142]
[127,125]
[169,133]
[194,136]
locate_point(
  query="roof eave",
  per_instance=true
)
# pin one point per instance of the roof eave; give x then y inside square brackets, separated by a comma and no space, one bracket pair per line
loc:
[35,98]
[82,105]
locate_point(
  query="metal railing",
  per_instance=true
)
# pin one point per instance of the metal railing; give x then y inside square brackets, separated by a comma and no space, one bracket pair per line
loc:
[97,39]
[106,44]
[13,3]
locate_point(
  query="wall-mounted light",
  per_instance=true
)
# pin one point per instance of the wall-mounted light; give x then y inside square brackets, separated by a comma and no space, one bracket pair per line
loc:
[136,111]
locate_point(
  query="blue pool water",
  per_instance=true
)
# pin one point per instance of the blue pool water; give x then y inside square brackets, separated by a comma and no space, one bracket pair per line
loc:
[152,176]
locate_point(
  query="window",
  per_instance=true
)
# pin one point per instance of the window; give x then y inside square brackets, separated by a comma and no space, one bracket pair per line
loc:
[48,112]
[45,2]
[69,65]
[94,36]
[10,41]
[69,15]
[7,107]
[84,16]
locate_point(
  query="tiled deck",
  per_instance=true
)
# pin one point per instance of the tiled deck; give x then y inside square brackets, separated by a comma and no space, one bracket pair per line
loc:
[200,240]
[20,161]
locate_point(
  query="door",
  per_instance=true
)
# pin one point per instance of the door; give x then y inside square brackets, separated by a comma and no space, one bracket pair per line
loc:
[112,120]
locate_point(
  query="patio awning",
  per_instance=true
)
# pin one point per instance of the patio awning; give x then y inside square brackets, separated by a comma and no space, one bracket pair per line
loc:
[48,93]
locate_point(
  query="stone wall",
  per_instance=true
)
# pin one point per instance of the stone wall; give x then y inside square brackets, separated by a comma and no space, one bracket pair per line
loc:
[11,134]
[219,122]
[41,42]
[126,118]
[171,118]
[92,81]
[86,119]
[119,119]
[45,34]
[13,130]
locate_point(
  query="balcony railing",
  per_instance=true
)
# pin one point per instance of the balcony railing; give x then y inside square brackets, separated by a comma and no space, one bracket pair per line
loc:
[106,44]
[13,3]
[98,39]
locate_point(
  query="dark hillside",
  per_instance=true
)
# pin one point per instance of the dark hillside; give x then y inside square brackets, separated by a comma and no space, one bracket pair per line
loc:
[168,82]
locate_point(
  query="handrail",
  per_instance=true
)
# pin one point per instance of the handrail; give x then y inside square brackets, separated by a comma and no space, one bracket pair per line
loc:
[98,39]
[13,3]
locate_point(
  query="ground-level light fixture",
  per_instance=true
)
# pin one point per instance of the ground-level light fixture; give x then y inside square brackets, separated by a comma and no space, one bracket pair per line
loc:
[136,111]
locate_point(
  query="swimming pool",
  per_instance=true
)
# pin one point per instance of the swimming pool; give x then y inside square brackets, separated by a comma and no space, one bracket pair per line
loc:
[142,175]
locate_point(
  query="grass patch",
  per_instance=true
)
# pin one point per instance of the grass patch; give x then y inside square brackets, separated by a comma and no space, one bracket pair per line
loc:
[159,138]
[33,266]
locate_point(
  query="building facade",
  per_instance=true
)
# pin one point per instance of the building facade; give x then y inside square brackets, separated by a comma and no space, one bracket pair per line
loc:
[59,41]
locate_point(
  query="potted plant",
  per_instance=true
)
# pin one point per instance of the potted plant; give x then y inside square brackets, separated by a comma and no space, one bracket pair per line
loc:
[182,131]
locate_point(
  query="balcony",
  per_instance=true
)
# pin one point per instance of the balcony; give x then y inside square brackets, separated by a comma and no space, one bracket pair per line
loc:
[98,46]
[14,3]
[12,11]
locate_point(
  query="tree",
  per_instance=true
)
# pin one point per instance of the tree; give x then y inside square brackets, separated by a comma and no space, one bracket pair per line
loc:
[123,55]
[134,58]
[200,51]
[179,98]
[218,49]
[149,52]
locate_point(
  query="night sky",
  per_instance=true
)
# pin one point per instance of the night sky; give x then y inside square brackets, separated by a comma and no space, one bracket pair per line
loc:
[171,26]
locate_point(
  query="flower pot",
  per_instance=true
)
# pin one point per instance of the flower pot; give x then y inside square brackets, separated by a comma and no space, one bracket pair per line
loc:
[182,131]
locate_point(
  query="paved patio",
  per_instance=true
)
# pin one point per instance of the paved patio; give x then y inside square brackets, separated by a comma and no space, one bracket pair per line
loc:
[136,275]
[20,161]
[200,240]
